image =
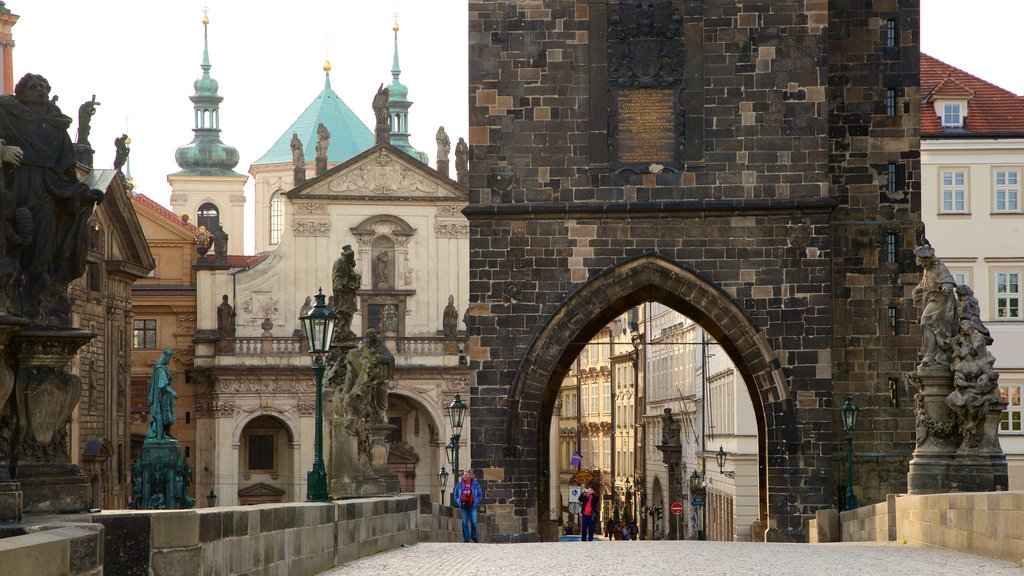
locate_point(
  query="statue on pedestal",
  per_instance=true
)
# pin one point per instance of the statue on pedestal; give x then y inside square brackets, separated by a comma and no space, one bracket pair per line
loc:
[298,157]
[935,293]
[345,282]
[225,319]
[161,399]
[450,321]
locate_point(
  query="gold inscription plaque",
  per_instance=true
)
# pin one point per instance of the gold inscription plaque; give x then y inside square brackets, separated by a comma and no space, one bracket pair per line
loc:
[646,126]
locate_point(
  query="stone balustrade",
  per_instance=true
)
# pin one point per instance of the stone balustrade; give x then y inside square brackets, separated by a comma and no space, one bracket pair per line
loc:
[266,539]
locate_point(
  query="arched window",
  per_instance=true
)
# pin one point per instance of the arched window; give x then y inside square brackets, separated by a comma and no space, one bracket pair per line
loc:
[276,219]
[208,216]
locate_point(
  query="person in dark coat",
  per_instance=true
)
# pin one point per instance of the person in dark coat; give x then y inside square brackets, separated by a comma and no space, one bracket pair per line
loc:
[588,509]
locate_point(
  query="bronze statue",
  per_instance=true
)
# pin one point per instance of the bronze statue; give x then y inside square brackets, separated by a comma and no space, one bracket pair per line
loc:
[935,294]
[345,282]
[450,320]
[298,158]
[323,140]
[85,114]
[161,399]
[225,319]
[49,208]
[121,151]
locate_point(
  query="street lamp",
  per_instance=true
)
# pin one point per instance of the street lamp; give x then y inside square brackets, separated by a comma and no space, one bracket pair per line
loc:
[442,480]
[456,415]
[720,457]
[319,326]
[211,499]
[697,499]
[849,412]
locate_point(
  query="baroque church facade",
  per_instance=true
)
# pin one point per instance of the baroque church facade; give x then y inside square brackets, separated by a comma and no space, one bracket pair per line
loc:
[254,392]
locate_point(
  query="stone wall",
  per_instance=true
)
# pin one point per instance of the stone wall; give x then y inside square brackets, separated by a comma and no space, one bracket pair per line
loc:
[263,540]
[981,523]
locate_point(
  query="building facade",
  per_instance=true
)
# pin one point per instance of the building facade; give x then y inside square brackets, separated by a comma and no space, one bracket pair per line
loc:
[972,159]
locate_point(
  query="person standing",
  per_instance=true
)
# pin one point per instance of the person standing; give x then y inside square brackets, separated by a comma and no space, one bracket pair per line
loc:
[468,495]
[588,507]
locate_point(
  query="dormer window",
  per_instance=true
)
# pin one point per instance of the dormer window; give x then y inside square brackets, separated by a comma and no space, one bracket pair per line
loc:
[952,115]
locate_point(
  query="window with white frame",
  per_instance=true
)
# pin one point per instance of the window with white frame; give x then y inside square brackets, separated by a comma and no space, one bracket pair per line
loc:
[1011,418]
[952,115]
[1007,190]
[1008,295]
[954,191]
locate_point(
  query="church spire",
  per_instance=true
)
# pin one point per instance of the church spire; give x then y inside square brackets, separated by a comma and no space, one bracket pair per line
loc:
[399,107]
[206,154]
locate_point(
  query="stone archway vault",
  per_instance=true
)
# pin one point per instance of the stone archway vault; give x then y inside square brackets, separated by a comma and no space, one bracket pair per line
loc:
[615,290]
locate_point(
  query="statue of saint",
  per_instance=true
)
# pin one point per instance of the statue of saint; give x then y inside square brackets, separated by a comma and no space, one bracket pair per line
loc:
[345,282]
[161,399]
[298,157]
[381,104]
[369,368]
[323,140]
[975,383]
[450,319]
[220,243]
[225,319]
[382,269]
[444,144]
[85,114]
[935,294]
[970,310]
[462,161]
[50,208]
[669,428]
[121,150]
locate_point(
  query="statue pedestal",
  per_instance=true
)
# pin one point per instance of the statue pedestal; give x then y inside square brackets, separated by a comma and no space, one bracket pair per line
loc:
[45,396]
[357,471]
[11,503]
[942,461]
[672,456]
[158,478]
[379,448]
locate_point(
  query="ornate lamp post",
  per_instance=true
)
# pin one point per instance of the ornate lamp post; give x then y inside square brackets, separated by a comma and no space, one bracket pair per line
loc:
[720,457]
[849,412]
[697,495]
[442,480]
[211,499]
[456,415]
[319,326]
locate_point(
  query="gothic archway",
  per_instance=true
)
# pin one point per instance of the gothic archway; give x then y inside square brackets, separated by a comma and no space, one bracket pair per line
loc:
[534,387]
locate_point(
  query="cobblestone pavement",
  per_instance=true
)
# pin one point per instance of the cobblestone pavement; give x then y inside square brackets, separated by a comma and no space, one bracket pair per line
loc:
[685,557]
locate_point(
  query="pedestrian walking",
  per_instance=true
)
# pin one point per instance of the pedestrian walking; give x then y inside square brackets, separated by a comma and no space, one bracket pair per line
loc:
[588,508]
[468,494]
[609,528]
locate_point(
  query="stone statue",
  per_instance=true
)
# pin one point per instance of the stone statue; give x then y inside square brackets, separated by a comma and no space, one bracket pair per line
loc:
[220,243]
[382,269]
[225,319]
[345,282]
[121,150]
[935,294]
[669,428]
[462,161]
[47,209]
[450,319]
[381,110]
[970,310]
[323,140]
[161,400]
[975,383]
[444,144]
[298,157]
[85,114]
[368,372]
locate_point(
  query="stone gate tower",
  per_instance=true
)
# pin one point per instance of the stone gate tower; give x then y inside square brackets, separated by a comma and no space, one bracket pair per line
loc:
[754,165]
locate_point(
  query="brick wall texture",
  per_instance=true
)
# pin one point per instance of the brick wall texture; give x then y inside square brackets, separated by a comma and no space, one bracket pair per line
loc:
[772,228]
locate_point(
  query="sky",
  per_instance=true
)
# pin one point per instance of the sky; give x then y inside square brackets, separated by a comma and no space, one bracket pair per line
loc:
[140,58]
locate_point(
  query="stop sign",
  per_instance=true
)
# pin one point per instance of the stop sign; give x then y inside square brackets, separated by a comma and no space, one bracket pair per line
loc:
[677,507]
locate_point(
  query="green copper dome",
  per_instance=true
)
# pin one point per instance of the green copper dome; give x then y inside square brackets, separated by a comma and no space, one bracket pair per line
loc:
[349,136]
[206,155]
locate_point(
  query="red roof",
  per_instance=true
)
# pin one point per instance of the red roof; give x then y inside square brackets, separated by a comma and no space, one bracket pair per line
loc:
[991,110]
[166,213]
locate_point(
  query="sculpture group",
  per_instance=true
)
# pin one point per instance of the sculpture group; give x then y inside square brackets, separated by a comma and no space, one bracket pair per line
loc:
[957,406]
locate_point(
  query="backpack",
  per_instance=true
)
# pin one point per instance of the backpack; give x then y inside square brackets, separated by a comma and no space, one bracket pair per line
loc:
[467,497]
